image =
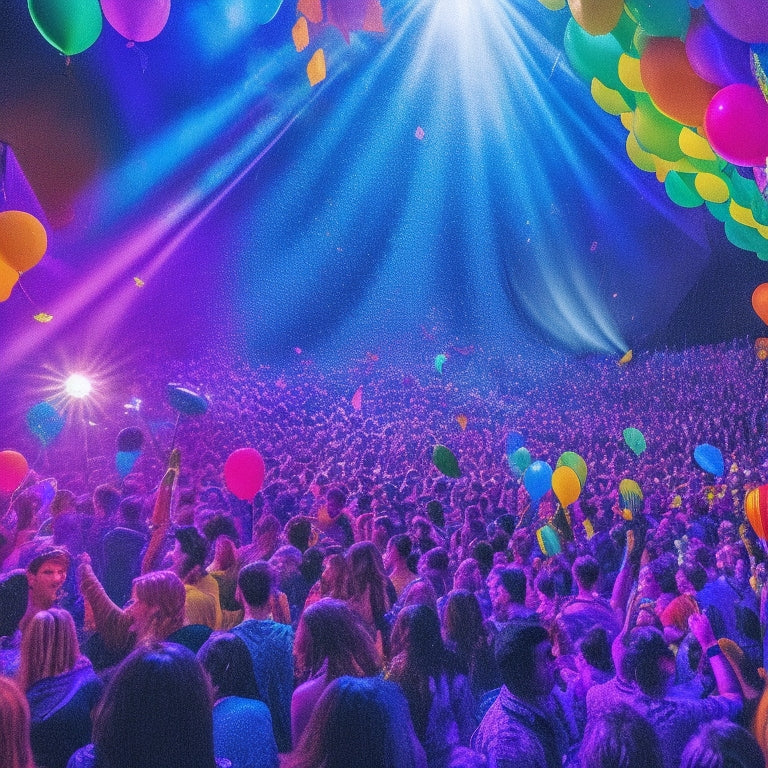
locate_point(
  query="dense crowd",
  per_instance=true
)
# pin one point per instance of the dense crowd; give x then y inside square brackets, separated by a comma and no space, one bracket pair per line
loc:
[363,609]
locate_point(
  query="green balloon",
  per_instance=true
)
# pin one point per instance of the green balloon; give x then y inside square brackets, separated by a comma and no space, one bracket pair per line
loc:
[661,18]
[634,440]
[576,463]
[445,461]
[519,461]
[680,190]
[624,32]
[593,55]
[721,211]
[656,133]
[70,26]
[744,237]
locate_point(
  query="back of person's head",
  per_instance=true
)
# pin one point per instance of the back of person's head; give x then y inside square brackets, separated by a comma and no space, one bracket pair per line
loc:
[49,646]
[106,498]
[358,723]
[220,524]
[663,569]
[482,551]
[468,576]
[312,564]
[417,635]
[595,649]
[298,531]
[164,593]
[131,509]
[463,620]
[15,749]
[645,659]
[194,546]
[227,661]
[331,634]
[402,544]
[514,582]
[365,567]
[14,590]
[515,653]
[156,712]
[586,571]
[722,744]
[255,583]
[620,738]
[435,513]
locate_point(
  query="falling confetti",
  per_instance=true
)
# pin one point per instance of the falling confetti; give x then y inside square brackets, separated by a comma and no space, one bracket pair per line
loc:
[139,282]
[593,247]
[300,34]
[626,358]
[462,419]
[439,362]
[316,67]
[419,134]
[43,317]
[297,350]
[357,399]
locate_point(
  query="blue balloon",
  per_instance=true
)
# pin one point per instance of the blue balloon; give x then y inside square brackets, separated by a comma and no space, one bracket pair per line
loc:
[710,459]
[124,461]
[44,422]
[537,480]
[514,441]
[185,401]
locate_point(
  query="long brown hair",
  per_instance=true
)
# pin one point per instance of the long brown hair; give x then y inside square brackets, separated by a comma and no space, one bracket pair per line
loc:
[15,750]
[49,647]
[163,591]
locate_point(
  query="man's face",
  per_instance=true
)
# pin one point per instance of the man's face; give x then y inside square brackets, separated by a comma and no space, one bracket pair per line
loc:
[545,667]
[45,585]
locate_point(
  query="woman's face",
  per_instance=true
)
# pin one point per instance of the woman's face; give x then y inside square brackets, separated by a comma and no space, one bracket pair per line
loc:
[141,615]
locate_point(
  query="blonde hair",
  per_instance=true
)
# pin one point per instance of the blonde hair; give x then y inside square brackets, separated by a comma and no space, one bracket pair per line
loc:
[49,647]
[164,591]
[15,750]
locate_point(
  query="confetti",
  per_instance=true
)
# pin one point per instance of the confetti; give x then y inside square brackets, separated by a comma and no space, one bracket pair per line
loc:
[462,419]
[419,134]
[43,317]
[316,67]
[139,282]
[593,247]
[300,34]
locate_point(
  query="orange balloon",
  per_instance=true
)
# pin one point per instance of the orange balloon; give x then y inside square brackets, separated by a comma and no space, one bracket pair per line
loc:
[566,485]
[8,278]
[23,240]
[598,17]
[676,90]
[756,507]
[760,301]
[13,470]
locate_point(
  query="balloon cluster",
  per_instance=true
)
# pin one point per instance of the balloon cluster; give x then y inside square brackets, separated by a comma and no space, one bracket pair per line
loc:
[23,242]
[72,26]
[687,79]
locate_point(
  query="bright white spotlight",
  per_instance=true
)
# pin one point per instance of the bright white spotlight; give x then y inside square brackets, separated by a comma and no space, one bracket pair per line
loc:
[78,386]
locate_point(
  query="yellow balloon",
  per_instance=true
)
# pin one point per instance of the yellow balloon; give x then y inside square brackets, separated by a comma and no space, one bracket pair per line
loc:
[566,485]
[553,5]
[695,146]
[598,17]
[23,240]
[608,99]
[742,215]
[629,73]
[642,159]
[8,278]
[712,188]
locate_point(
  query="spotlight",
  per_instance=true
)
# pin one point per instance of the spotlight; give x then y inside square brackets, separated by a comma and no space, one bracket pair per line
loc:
[77,386]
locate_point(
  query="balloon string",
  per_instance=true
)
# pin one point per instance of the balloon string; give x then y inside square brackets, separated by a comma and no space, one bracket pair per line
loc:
[24,291]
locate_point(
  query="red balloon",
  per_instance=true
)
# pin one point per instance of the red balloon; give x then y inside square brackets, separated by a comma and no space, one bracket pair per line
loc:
[244,473]
[13,470]
[736,124]
[756,507]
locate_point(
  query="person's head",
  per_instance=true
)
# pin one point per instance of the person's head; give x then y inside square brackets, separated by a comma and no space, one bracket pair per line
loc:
[190,552]
[255,584]
[330,632]
[106,500]
[286,561]
[46,575]
[335,499]
[14,590]
[586,571]
[156,712]
[594,649]
[620,738]
[333,579]
[227,662]
[524,656]
[298,532]
[224,553]
[506,586]
[49,647]
[15,749]
[463,620]
[722,744]
[156,607]
[359,723]
[365,567]
[648,661]
[468,576]
[417,635]
[398,550]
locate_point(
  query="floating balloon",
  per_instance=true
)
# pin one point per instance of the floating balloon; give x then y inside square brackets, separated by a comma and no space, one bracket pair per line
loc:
[538,480]
[514,441]
[130,439]
[630,496]
[576,463]
[760,301]
[244,473]
[598,17]
[634,440]
[745,20]
[656,133]
[519,461]
[44,422]
[445,461]
[549,542]
[137,20]
[439,362]
[23,240]
[357,398]
[593,55]
[661,18]
[566,485]
[8,278]
[756,507]
[710,459]
[13,470]
[736,122]
[124,461]
[185,401]
[70,26]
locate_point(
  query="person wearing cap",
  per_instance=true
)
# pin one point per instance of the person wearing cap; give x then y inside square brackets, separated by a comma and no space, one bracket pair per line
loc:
[46,575]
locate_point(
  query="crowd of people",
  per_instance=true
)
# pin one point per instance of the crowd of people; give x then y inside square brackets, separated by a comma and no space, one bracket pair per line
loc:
[363,609]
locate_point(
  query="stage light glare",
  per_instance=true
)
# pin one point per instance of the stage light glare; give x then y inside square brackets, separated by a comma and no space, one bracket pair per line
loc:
[77,386]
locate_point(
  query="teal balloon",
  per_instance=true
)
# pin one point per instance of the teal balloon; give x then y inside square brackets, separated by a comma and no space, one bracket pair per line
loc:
[70,26]
[721,211]
[634,440]
[593,55]
[576,463]
[549,541]
[744,237]
[519,461]
[538,480]
[661,18]
[445,461]
[439,362]
[124,461]
[44,422]
[680,190]
[710,459]
[263,11]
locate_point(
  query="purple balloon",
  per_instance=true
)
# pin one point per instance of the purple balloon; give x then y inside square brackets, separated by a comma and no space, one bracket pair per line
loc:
[746,20]
[714,55]
[137,20]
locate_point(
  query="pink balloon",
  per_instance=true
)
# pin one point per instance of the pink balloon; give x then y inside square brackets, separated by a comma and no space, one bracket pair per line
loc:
[745,20]
[244,473]
[13,470]
[736,124]
[716,56]
[137,20]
